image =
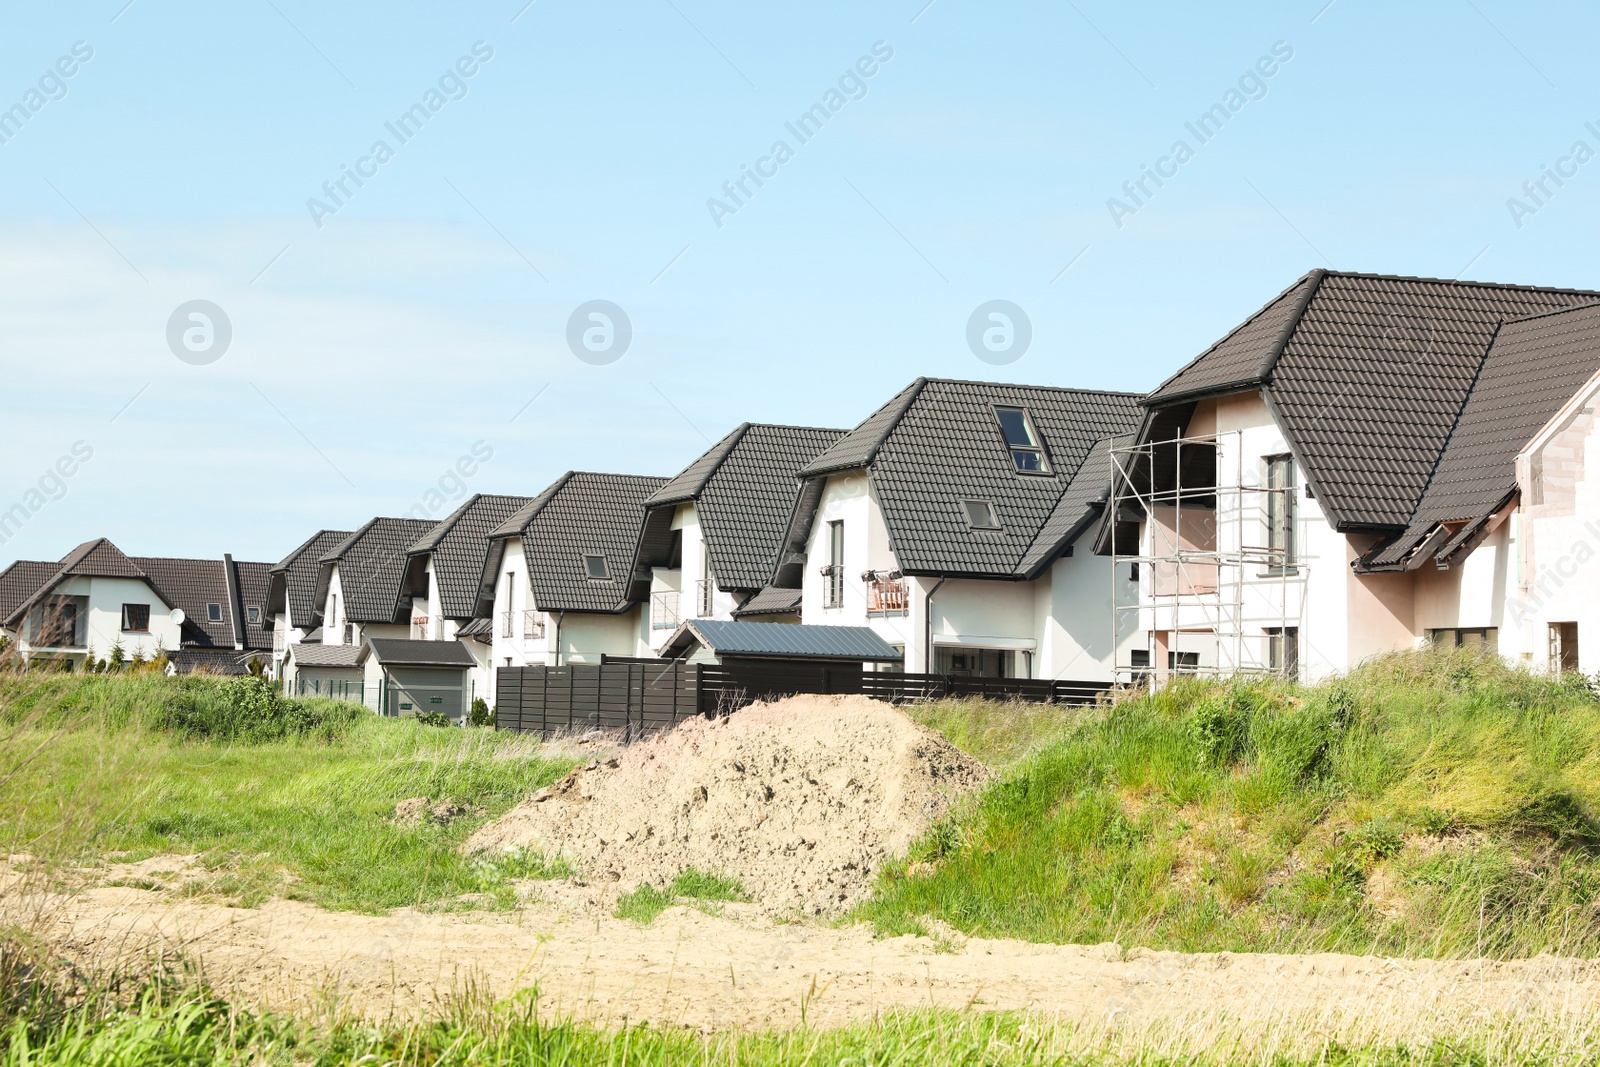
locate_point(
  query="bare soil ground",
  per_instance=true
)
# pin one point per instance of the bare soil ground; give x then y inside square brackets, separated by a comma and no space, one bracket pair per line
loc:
[743,969]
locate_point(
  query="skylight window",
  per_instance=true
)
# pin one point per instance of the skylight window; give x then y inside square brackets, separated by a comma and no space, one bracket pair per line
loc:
[595,568]
[980,515]
[214,612]
[1027,453]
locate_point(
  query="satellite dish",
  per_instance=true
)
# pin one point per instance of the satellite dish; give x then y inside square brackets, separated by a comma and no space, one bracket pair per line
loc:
[178,616]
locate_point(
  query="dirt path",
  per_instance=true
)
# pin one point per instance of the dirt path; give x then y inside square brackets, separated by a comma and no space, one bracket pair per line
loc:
[743,970]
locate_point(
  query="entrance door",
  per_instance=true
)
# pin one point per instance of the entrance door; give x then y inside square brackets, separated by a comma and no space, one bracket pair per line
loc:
[1563,647]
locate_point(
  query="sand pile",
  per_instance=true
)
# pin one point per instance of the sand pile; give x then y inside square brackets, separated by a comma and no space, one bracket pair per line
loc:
[801,800]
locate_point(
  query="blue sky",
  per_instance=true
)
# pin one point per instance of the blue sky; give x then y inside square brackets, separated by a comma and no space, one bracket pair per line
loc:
[576,163]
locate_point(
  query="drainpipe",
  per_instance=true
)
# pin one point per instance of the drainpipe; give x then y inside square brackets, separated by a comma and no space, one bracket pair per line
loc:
[560,616]
[927,628]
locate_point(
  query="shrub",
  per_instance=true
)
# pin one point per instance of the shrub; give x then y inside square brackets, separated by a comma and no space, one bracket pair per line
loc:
[482,714]
[433,718]
[249,709]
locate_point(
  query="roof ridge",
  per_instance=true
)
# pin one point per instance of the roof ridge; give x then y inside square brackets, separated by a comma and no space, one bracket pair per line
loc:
[1554,311]
[288,561]
[1457,281]
[1286,332]
[1030,385]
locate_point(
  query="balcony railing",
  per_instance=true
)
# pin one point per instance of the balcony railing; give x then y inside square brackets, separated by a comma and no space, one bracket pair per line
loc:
[888,596]
[664,614]
[531,624]
[705,589]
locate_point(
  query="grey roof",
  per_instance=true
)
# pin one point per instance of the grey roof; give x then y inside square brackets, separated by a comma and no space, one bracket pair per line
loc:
[372,568]
[20,581]
[294,578]
[309,654]
[938,443]
[1077,509]
[398,652]
[213,660]
[744,489]
[776,641]
[1366,375]
[1535,366]
[478,629]
[772,600]
[458,546]
[581,514]
[254,585]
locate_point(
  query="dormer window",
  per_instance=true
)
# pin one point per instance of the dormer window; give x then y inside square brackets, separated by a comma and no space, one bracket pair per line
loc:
[254,615]
[214,612]
[980,515]
[595,568]
[1027,453]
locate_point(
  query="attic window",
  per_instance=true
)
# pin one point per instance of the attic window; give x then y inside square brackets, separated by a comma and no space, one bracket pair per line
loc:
[214,612]
[255,616]
[980,515]
[1027,454]
[595,568]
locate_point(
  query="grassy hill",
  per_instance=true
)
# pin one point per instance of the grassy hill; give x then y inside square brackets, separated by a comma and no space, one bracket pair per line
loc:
[1427,804]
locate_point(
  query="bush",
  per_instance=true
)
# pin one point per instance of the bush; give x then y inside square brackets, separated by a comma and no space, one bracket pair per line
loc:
[433,718]
[481,714]
[250,710]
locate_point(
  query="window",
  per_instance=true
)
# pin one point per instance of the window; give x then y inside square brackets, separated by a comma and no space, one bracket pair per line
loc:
[1485,638]
[835,568]
[214,612]
[254,615]
[1139,664]
[1283,650]
[1027,454]
[595,568]
[1280,513]
[980,515]
[1183,662]
[136,618]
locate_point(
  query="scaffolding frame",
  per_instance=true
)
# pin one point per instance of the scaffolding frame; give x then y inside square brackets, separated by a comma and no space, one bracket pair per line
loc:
[1225,597]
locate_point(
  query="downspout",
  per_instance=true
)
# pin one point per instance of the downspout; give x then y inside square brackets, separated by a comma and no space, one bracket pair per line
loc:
[556,646]
[927,627]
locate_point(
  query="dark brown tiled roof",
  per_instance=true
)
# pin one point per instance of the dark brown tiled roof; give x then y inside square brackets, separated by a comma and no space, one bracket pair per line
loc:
[460,544]
[581,514]
[939,443]
[194,585]
[743,488]
[1077,509]
[372,568]
[770,601]
[93,559]
[22,580]
[254,581]
[1534,367]
[1367,379]
[214,660]
[294,578]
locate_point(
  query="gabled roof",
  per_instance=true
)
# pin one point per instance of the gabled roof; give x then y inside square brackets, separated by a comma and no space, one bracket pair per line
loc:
[92,559]
[254,586]
[1533,369]
[458,546]
[743,488]
[774,641]
[937,444]
[372,568]
[193,585]
[294,579]
[398,652]
[21,580]
[1366,375]
[581,514]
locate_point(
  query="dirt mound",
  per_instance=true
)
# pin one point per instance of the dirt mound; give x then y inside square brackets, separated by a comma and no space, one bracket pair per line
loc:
[800,800]
[415,811]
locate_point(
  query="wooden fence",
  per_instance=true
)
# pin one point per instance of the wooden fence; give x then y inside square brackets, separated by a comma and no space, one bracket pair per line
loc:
[637,697]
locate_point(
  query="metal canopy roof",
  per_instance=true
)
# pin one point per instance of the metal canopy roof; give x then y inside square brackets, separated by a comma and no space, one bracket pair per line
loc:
[778,641]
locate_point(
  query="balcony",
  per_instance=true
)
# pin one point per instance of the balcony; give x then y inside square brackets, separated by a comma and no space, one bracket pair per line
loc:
[664,613]
[531,624]
[888,597]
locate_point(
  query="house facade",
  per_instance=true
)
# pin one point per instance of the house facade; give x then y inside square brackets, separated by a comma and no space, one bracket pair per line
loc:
[949,522]
[556,580]
[1364,465]
[361,582]
[711,534]
[97,602]
[292,608]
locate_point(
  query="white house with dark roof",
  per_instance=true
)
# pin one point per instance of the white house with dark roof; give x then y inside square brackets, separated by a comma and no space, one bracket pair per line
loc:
[1364,465]
[443,572]
[202,614]
[712,533]
[361,582]
[950,523]
[292,609]
[556,579]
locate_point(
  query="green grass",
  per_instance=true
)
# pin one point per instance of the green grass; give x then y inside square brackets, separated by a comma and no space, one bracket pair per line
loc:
[97,767]
[706,890]
[1426,805]
[998,733]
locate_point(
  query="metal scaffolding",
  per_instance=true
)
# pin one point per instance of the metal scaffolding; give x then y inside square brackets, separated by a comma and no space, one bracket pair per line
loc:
[1220,585]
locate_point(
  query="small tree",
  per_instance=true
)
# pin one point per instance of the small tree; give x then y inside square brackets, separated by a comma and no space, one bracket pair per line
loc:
[118,656]
[481,714]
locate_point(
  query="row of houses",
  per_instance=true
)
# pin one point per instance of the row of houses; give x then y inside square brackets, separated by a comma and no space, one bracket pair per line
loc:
[1368,463]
